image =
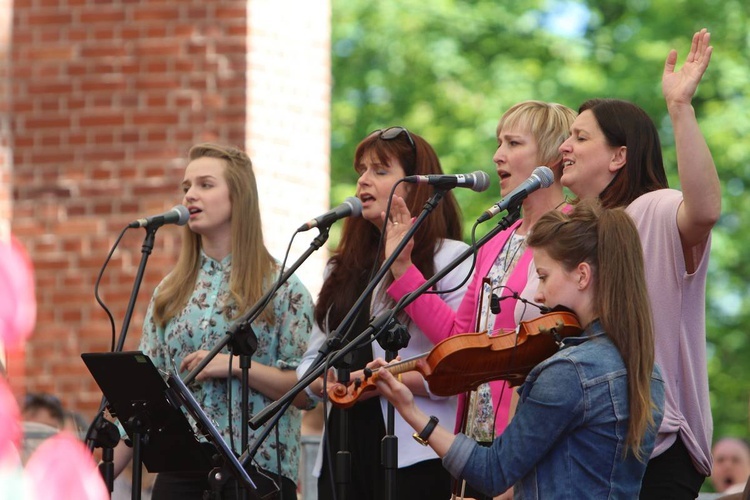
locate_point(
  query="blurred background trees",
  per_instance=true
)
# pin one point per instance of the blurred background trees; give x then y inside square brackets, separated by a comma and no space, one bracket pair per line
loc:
[447,69]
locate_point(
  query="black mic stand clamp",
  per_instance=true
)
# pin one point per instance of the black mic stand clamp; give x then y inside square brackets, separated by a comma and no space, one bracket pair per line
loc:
[105,435]
[140,426]
[394,338]
[243,343]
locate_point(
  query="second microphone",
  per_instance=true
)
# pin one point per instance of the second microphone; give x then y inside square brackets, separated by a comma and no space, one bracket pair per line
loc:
[478,181]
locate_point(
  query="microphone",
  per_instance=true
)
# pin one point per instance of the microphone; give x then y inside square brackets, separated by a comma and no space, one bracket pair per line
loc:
[179,215]
[495,304]
[478,181]
[541,177]
[351,206]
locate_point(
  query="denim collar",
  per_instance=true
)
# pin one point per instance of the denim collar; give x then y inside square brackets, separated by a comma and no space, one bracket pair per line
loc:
[592,330]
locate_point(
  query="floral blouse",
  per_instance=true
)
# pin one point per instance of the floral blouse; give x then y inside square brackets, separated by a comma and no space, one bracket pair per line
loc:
[203,324]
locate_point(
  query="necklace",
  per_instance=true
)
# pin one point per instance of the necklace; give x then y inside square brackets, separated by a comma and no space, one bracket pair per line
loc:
[565,200]
[511,257]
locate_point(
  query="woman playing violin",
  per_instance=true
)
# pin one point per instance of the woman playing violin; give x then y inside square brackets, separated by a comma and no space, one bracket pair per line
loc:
[588,415]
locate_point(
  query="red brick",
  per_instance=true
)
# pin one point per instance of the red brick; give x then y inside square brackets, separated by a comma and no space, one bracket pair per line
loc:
[59,122]
[51,52]
[101,119]
[106,84]
[52,18]
[101,50]
[144,14]
[103,16]
[50,87]
[141,118]
[53,156]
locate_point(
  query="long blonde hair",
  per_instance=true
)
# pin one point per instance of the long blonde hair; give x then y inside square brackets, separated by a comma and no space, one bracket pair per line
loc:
[609,242]
[253,266]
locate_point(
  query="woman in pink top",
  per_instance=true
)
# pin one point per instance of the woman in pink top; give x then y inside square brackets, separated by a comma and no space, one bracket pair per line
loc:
[528,135]
[614,154]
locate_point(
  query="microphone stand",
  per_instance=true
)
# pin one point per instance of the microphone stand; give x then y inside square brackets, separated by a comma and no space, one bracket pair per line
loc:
[343,460]
[396,337]
[244,343]
[102,433]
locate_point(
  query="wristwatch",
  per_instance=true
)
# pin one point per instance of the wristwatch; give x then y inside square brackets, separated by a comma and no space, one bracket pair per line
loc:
[422,437]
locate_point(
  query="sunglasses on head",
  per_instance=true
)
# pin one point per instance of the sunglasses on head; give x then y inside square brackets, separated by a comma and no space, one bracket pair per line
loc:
[392,132]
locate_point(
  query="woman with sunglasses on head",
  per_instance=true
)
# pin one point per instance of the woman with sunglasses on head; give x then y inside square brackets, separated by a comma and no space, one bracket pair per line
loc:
[381,159]
[528,135]
[588,415]
[614,154]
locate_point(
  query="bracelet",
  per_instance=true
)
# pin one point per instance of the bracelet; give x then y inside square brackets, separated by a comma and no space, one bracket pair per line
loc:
[422,437]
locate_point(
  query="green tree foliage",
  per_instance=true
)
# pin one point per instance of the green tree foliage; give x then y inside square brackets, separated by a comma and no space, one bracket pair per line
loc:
[447,69]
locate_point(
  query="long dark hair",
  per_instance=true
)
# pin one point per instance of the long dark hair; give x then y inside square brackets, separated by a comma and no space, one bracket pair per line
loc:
[609,242]
[625,124]
[356,253]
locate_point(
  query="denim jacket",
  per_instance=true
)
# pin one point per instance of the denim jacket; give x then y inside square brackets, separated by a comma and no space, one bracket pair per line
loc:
[567,438]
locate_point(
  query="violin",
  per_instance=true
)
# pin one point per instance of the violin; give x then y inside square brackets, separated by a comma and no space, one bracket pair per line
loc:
[463,362]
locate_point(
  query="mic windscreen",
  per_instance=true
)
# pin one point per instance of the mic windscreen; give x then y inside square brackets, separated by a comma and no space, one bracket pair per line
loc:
[546,177]
[481,181]
[356,205]
[184,214]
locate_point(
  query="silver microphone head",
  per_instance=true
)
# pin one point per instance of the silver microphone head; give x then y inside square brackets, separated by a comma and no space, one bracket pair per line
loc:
[481,181]
[545,175]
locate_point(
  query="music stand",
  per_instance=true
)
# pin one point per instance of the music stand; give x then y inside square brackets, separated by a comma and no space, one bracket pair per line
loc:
[150,412]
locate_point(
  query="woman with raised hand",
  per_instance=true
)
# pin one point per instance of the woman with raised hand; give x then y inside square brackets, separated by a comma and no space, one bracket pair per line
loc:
[614,154]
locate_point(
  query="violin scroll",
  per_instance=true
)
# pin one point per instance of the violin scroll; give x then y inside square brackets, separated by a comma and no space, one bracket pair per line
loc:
[343,396]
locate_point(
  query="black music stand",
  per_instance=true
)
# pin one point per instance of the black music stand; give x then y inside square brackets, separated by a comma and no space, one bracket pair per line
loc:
[150,412]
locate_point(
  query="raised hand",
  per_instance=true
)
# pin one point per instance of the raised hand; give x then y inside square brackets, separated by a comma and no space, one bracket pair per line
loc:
[395,230]
[679,86]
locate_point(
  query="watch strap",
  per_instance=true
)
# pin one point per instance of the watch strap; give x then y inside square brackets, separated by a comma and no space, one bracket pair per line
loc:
[423,436]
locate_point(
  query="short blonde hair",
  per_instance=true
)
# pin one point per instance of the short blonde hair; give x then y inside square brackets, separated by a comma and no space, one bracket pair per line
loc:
[548,122]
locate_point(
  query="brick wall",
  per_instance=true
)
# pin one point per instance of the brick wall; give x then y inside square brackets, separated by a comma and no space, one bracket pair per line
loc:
[107,99]
[5,135]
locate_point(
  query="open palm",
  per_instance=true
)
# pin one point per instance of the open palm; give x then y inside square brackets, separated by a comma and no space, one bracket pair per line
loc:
[679,86]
